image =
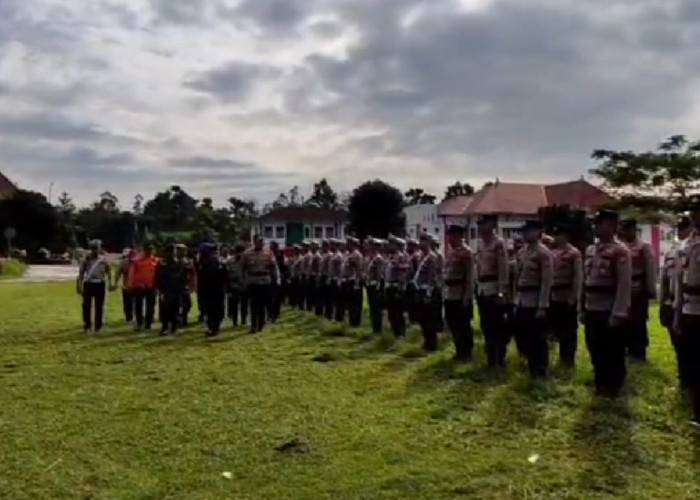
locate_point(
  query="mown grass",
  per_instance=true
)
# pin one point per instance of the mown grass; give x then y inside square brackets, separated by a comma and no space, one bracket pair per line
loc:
[12,268]
[311,410]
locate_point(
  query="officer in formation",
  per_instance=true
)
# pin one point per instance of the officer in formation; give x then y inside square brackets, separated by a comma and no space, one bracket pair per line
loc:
[260,274]
[211,285]
[326,289]
[94,279]
[352,282]
[686,309]
[643,290]
[427,281]
[413,254]
[684,229]
[336,277]
[398,285]
[315,281]
[459,293]
[374,275]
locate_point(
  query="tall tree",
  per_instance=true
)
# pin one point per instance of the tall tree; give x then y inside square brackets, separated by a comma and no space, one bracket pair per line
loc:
[171,210]
[417,196]
[323,196]
[243,213]
[65,204]
[137,207]
[35,220]
[108,202]
[660,179]
[375,209]
[458,189]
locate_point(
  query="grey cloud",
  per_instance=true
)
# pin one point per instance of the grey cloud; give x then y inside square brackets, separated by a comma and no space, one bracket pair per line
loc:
[232,82]
[180,11]
[205,167]
[278,16]
[46,125]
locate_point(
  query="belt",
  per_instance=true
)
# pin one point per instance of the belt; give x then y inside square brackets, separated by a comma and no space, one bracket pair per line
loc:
[528,288]
[488,278]
[600,288]
[557,288]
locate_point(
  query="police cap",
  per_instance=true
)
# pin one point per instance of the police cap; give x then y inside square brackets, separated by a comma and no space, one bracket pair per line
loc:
[606,214]
[683,221]
[629,224]
[532,225]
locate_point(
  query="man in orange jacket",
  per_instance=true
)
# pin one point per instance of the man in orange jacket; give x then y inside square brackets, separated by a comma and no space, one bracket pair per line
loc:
[142,280]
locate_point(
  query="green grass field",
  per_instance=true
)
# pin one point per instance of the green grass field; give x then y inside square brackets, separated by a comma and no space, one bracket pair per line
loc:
[311,411]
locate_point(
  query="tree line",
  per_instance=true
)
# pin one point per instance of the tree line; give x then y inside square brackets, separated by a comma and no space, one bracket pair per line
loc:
[654,182]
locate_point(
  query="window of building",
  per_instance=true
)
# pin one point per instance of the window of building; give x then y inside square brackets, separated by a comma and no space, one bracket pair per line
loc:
[437,230]
[279,232]
[307,232]
[330,232]
[507,233]
[318,232]
[267,232]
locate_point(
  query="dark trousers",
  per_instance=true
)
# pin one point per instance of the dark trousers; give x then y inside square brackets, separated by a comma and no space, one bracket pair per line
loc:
[329,292]
[292,291]
[339,302]
[200,305]
[492,315]
[353,301]
[237,302]
[184,307]
[606,345]
[319,299]
[690,339]
[439,317]
[564,322]
[458,317]
[410,303]
[637,331]
[534,337]
[213,308]
[274,302]
[511,330]
[310,300]
[258,296]
[170,315]
[303,292]
[374,301]
[680,344]
[128,304]
[144,298]
[428,320]
[94,293]
[395,305]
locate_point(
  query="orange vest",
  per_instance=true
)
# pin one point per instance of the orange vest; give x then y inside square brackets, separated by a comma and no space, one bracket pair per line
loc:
[142,272]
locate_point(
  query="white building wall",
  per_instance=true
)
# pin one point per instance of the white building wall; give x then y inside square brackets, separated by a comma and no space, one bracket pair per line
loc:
[423,218]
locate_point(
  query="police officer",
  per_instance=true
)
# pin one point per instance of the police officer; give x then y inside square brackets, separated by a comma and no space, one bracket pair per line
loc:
[353,282]
[277,291]
[94,278]
[534,283]
[643,289]
[441,271]
[413,254]
[427,281]
[686,323]
[338,281]
[236,296]
[326,289]
[459,293]
[316,278]
[212,287]
[492,284]
[510,323]
[292,262]
[566,293]
[171,282]
[190,283]
[398,275]
[684,229]
[307,279]
[123,274]
[374,280]
[259,273]
[606,303]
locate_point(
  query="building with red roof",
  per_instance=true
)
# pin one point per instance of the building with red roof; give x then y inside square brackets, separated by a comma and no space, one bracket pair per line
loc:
[7,188]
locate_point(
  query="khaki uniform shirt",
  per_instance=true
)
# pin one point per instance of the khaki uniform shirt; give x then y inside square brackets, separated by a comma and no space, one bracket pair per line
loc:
[669,273]
[688,277]
[568,274]
[427,277]
[535,275]
[398,270]
[492,268]
[607,279]
[375,271]
[459,274]
[352,270]
[259,267]
[643,269]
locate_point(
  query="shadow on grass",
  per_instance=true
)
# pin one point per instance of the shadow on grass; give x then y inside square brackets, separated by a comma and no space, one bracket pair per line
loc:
[603,435]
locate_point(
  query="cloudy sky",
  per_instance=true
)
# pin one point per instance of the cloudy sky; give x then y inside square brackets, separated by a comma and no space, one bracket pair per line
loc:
[249,97]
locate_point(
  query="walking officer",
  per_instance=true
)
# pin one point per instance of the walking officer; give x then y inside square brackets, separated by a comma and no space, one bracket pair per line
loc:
[459,293]
[684,229]
[374,279]
[534,284]
[172,284]
[94,278]
[686,324]
[398,275]
[566,293]
[353,282]
[427,281]
[643,290]
[189,285]
[259,274]
[142,280]
[607,281]
[492,284]
[123,274]
[211,282]
[236,296]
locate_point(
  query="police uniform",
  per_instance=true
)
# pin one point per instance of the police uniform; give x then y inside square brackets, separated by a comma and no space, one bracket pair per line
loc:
[259,274]
[605,305]
[667,298]
[566,293]
[93,281]
[127,293]
[295,297]
[326,287]
[459,296]
[308,278]
[687,311]
[440,257]
[427,280]
[492,284]
[211,281]
[236,296]
[172,283]
[510,323]
[352,283]
[398,275]
[317,282]
[534,283]
[374,281]
[336,278]
[413,255]
[190,284]
[643,289]
[278,290]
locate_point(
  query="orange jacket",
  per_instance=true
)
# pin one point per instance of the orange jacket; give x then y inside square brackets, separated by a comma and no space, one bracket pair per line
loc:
[142,272]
